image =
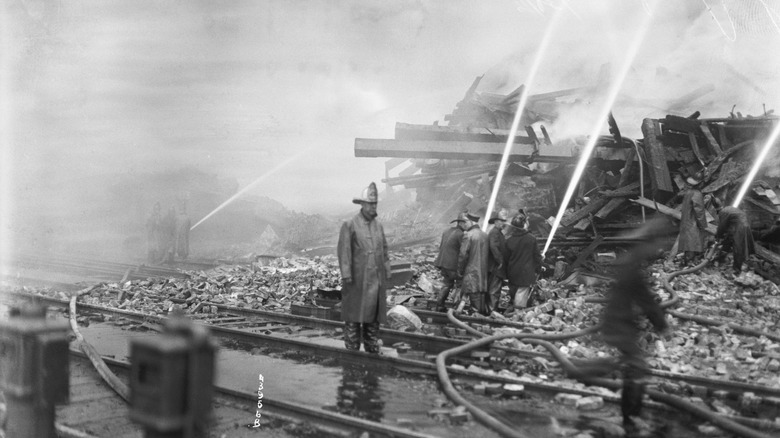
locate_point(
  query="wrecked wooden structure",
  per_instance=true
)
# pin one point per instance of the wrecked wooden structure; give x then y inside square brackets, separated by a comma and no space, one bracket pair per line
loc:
[452,167]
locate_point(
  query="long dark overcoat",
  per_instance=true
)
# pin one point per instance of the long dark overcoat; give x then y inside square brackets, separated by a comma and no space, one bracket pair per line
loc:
[362,252]
[523,258]
[693,222]
[449,248]
[473,261]
[496,265]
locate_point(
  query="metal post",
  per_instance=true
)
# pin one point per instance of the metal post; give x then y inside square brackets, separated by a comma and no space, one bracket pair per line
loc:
[33,371]
[171,380]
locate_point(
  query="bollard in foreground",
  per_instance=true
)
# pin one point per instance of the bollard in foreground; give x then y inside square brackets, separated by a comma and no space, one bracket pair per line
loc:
[171,379]
[34,372]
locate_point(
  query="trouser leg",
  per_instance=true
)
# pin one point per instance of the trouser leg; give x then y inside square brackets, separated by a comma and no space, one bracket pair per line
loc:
[371,337]
[521,297]
[494,292]
[479,302]
[352,335]
[449,283]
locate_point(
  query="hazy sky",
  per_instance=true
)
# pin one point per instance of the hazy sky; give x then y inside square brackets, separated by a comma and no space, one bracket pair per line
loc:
[107,88]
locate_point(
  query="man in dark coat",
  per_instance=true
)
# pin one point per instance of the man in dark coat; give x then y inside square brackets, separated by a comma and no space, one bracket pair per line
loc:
[734,232]
[629,297]
[693,222]
[447,259]
[365,269]
[473,265]
[496,266]
[523,262]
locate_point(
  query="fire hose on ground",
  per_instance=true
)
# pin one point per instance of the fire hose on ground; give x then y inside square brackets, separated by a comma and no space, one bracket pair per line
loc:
[573,371]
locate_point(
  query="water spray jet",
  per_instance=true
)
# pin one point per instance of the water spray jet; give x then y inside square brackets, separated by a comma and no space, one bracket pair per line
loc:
[757,164]
[251,186]
[542,49]
[600,120]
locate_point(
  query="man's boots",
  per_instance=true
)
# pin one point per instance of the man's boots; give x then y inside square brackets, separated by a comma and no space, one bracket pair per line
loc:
[631,400]
[371,337]
[352,335]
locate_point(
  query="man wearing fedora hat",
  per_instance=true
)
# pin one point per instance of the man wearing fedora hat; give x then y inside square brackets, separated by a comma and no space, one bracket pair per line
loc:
[693,222]
[365,269]
[447,259]
[473,265]
[496,256]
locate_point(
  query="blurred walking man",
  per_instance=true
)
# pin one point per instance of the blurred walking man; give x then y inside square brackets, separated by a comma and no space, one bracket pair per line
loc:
[628,299]
[447,259]
[365,269]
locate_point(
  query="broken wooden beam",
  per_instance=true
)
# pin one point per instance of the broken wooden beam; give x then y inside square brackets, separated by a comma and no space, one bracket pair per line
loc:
[671,212]
[712,144]
[408,131]
[583,212]
[654,149]
[428,178]
[459,150]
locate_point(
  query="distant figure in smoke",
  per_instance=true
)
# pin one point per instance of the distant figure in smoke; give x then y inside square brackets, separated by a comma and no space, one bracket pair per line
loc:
[629,298]
[523,262]
[182,232]
[734,232]
[365,269]
[154,235]
[693,222]
[496,265]
[169,236]
[447,259]
[473,266]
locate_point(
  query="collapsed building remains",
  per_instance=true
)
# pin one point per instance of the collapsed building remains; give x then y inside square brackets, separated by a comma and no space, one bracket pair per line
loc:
[453,167]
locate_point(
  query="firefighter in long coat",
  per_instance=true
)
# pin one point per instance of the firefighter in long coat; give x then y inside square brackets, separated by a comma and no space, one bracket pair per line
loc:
[473,265]
[734,231]
[496,256]
[523,262]
[365,268]
[447,259]
[693,222]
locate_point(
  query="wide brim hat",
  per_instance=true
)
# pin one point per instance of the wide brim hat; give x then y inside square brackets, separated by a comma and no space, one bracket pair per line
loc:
[369,194]
[472,218]
[501,216]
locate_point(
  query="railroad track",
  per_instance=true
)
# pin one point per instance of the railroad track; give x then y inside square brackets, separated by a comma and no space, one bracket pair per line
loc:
[96,410]
[321,337]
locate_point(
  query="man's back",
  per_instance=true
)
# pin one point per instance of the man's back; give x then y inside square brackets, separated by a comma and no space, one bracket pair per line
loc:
[449,249]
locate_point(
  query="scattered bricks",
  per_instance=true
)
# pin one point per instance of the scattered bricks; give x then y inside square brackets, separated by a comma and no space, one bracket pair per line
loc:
[589,403]
[709,430]
[722,408]
[402,347]
[513,390]
[742,354]
[507,373]
[459,415]
[567,399]
[494,389]
[440,402]
[496,353]
[481,355]
[439,414]
[559,313]
[669,387]
[749,400]
[721,394]
[480,388]
[773,366]
[720,368]
[431,357]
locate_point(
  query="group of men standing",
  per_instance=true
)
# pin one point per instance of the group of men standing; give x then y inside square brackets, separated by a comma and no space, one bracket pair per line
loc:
[484,262]
[167,236]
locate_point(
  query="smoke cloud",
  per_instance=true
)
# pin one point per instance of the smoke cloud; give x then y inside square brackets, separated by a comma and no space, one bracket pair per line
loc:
[106,92]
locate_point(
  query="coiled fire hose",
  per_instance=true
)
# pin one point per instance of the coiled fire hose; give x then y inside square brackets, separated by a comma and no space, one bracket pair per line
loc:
[572,371]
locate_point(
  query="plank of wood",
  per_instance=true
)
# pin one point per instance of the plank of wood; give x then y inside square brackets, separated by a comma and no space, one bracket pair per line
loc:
[671,212]
[582,213]
[695,147]
[610,208]
[654,149]
[712,144]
